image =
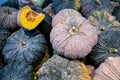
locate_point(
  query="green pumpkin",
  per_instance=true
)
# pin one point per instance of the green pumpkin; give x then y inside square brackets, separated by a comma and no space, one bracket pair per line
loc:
[116,12]
[103,21]
[17,71]
[108,45]
[28,46]
[90,6]
[58,5]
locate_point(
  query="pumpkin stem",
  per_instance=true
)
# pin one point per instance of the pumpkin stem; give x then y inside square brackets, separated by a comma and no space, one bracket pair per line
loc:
[31,16]
[113,50]
[23,44]
[99,4]
[102,28]
[73,30]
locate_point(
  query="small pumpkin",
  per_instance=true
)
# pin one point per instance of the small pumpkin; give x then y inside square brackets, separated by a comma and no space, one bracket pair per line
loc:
[90,6]
[109,70]
[63,15]
[74,38]
[4,34]
[116,12]
[17,70]
[103,21]
[58,5]
[29,19]
[107,46]
[58,68]
[28,46]
[8,18]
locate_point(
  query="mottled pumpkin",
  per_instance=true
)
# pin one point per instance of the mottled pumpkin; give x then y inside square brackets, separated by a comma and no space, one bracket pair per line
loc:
[89,6]
[62,16]
[107,46]
[103,21]
[28,46]
[58,68]
[17,70]
[8,18]
[109,70]
[58,5]
[116,13]
[4,34]
[74,38]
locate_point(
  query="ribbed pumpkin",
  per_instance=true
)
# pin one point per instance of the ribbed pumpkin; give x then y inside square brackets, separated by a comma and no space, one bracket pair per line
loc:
[28,46]
[58,5]
[74,38]
[109,70]
[89,6]
[62,16]
[8,18]
[103,21]
[58,68]
[4,34]
[107,46]
[17,71]
[116,12]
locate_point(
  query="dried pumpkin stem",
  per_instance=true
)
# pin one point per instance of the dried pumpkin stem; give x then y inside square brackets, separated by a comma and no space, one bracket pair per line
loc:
[73,30]
[99,4]
[113,50]
[31,16]
[102,28]
[23,44]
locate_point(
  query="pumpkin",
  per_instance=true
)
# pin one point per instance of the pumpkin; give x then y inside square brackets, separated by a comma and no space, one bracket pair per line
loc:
[58,5]
[4,34]
[116,13]
[8,18]
[17,70]
[58,68]
[28,46]
[90,6]
[74,38]
[107,46]
[63,15]
[109,70]
[10,3]
[103,21]
[29,19]
[116,1]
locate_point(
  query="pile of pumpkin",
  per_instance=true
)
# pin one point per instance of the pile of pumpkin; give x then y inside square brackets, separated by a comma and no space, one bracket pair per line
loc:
[60,40]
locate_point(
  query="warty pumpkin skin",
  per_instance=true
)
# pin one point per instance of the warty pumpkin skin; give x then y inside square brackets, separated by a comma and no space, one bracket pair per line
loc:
[116,12]
[107,46]
[74,38]
[90,6]
[58,68]
[28,46]
[29,19]
[62,16]
[17,70]
[58,5]
[103,21]
[109,70]
[8,18]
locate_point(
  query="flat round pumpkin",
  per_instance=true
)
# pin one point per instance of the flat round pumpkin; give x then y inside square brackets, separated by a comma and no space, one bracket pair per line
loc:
[62,16]
[17,71]
[58,68]
[25,46]
[58,5]
[103,21]
[107,46]
[109,70]
[74,38]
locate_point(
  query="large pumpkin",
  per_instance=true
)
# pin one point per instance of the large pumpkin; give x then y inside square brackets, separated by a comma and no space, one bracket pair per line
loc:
[62,16]
[58,5]
[103,21]
[8,18]
[116,12]
[28,46]
[109,70]
[107,46]
[17,71]
[89,6]
[74,38]
[58,68]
